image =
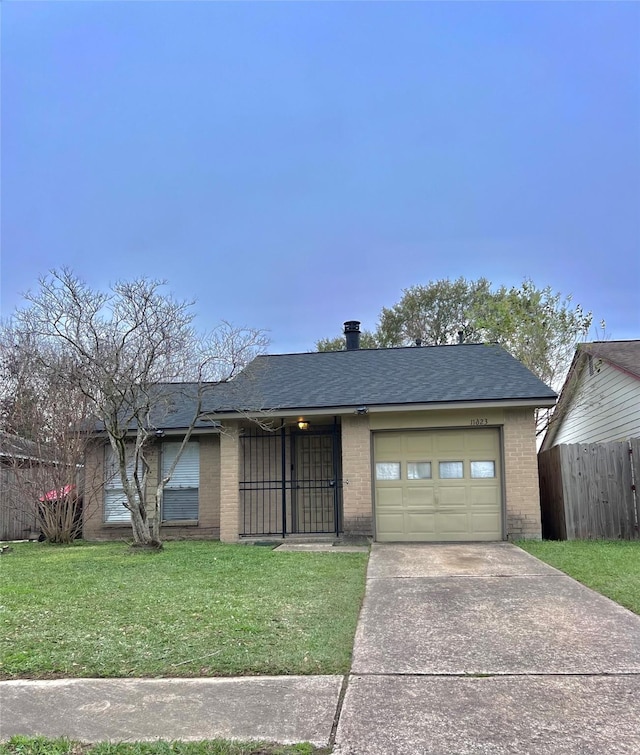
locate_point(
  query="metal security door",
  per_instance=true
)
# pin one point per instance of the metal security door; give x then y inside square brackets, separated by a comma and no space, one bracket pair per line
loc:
[315,484]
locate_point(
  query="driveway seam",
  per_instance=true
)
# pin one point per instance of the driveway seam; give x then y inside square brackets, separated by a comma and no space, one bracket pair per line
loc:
[497,674]
[338,713]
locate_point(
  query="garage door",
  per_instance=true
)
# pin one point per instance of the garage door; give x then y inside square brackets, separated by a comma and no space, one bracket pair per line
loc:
[442,485]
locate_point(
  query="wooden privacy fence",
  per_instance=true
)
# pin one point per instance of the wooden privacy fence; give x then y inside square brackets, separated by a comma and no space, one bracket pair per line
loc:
[587,490]
[18,519]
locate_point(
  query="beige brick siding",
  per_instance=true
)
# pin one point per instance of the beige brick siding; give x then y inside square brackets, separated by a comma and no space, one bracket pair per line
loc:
[230,484]
[356,475]
[219,510]
[208,526]
[521,475]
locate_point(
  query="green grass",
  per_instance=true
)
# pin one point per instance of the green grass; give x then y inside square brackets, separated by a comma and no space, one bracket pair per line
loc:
[193,609]
[612,567]
[44,746]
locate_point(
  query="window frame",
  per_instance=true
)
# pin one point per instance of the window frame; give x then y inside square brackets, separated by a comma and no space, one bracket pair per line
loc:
[109,488]
[177,486]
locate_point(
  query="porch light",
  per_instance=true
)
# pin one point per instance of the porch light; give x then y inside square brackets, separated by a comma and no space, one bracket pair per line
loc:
[303,424]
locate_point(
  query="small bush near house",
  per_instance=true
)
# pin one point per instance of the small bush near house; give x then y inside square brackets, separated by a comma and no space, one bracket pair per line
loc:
[612,567]
[193,609]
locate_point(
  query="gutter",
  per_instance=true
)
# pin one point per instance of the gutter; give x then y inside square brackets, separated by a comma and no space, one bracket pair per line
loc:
[385,408]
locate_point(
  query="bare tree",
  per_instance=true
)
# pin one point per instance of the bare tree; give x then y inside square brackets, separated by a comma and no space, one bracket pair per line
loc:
[43,442]
[130,352]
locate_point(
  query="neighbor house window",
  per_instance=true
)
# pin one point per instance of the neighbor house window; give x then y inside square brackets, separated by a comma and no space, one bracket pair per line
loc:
[388,470]
[181,493]
[114,495]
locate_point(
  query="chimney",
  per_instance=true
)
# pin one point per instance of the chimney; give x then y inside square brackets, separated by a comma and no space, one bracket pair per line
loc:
[352,334]
[461,336]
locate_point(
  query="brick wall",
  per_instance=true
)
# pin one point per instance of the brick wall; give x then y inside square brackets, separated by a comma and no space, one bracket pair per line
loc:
[229,484]
[208,526]
[356,475]
[521,475]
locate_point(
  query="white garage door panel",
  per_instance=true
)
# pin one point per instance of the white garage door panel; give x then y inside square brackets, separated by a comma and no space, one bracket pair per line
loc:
[480,496]
[422,523]
[390,498]
[452,495]
[450,523]
[422,496]
[485,523]
[435,509]
[393,525]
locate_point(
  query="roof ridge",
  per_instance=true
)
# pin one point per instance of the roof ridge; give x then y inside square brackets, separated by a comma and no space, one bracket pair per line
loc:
[383,348]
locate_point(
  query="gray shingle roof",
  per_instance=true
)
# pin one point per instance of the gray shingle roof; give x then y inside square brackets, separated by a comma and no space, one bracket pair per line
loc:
[375,377]
[367,377]
[16,448]
[624,354]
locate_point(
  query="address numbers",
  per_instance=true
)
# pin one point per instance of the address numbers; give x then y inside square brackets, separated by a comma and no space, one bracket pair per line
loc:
[480,421]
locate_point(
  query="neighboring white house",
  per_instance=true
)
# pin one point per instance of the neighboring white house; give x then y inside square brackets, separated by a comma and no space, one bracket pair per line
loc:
[600,400]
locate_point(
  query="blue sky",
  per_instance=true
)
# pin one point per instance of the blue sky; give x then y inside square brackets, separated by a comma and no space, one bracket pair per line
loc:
[294,165]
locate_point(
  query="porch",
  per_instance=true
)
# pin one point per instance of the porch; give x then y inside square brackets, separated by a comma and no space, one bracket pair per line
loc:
[290,480]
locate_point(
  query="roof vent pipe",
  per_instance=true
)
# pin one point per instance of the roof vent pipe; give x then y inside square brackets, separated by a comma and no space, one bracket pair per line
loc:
[352,334]
[418,342]
[461,336]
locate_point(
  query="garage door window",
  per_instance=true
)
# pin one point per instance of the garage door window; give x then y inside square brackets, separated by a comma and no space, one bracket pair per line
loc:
[419,470]
[480,469]
[388,470]
[451,470]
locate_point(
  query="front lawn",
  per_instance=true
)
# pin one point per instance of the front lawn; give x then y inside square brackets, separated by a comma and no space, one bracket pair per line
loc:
[45,746]
[193,609]
[612,567]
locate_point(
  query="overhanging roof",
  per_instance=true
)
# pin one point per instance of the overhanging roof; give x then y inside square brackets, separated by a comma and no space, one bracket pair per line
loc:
[334,382]
[382,377]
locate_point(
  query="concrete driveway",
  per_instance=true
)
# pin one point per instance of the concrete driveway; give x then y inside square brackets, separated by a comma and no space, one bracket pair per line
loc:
[482,648]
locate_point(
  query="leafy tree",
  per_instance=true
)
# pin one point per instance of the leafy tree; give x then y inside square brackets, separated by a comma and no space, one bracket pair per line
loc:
[435,314]
[538,326]
[129,352]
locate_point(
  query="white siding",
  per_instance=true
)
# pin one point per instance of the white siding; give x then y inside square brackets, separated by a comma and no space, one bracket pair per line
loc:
[605,406]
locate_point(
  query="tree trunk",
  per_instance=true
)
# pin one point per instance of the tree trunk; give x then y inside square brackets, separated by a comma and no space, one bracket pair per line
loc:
[142,535]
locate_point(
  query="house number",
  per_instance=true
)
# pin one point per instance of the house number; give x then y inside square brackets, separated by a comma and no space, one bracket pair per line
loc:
[480,421]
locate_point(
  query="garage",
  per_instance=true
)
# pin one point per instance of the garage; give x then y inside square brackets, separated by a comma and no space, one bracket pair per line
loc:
[438,485]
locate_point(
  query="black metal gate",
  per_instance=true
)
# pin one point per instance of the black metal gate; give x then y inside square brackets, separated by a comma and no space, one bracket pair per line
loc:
[291,481]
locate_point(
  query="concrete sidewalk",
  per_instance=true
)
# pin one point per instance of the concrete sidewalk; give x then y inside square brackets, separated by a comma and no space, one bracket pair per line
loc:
[280,709]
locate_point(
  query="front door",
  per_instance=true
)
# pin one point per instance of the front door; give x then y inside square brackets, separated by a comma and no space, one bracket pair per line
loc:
[315,483]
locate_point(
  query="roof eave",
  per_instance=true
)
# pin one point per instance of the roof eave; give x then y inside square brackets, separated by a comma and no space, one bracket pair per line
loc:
[545,401]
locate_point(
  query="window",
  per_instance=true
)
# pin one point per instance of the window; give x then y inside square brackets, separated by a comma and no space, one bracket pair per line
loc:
[388,470]
[181,493]
[481,469]
[114,496]
[451,470]
[418,470]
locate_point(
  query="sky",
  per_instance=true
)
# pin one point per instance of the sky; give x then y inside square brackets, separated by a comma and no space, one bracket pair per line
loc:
[294,165]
